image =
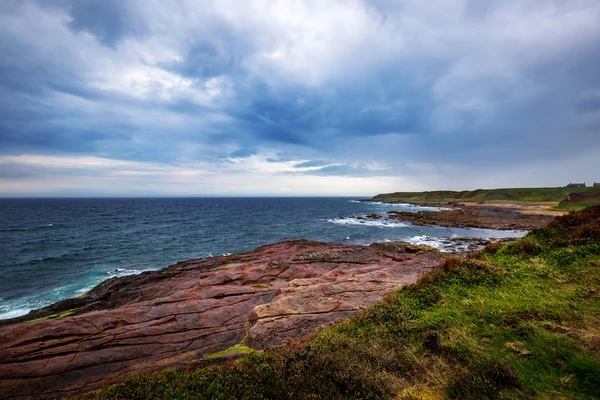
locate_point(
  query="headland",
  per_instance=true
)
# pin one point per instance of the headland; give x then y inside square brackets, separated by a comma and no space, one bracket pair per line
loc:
[392,320]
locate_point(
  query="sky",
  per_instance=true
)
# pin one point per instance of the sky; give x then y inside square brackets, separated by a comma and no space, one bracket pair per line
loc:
[282,98]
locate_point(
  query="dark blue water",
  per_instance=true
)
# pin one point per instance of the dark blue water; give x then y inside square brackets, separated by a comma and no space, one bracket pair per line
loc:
[51,249]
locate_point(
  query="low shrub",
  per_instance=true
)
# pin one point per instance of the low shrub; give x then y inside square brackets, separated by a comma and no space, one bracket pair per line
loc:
[466,271]
[524,247]
[488,379]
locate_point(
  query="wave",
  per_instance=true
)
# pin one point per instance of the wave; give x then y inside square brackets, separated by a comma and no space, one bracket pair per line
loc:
[84,290]
[26,228]
[409,207]
[443,244]
[71,255]
[118,272]
[367,222]
[435,242]
[454,243]
[13,229]
[14,313]
[18,307]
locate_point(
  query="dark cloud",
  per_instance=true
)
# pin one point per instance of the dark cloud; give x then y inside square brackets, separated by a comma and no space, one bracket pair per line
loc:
[312,163]
[170,81]
[108,20]
[203,59]
[279,157]
[589,104]
[340,170]
[242,152]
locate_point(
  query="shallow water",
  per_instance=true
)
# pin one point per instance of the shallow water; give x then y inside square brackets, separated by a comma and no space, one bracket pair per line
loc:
[52,249]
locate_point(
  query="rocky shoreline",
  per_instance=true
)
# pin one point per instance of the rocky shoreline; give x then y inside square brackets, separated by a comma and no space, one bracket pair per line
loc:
[460,215]
[201,311]
[197,312]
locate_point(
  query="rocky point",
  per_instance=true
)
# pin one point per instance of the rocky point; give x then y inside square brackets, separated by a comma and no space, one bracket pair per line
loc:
[178,317]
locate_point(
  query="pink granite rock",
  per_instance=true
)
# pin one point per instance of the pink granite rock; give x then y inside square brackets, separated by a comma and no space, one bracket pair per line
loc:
[175,317]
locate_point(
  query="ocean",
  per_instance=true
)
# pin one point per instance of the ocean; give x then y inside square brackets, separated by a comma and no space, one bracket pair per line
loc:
[52,249]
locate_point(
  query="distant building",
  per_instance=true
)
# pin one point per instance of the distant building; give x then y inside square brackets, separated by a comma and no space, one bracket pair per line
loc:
[596,184]
[574,185]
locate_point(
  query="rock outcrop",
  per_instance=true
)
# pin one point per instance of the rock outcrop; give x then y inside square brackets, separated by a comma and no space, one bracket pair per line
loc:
[177,317]
[481,216]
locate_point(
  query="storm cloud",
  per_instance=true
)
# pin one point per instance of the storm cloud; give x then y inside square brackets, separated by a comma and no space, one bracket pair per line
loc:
[275,97]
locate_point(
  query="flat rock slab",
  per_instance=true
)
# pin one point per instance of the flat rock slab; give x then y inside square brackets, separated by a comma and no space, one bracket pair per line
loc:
[175,317]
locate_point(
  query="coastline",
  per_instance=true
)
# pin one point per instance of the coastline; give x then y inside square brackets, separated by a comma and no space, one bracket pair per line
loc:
[68,257]
[205,311]
[501,216]
[199,312]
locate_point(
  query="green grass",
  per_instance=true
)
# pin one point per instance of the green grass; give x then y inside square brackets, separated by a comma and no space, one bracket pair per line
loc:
[521,321]
[239,348]
[508,195]
[56,315]
[579,201]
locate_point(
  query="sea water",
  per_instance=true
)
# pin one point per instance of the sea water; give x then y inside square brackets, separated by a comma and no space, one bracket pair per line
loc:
[52,249]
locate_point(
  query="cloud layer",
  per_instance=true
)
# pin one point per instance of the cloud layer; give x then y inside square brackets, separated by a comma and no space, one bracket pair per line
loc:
[146,97]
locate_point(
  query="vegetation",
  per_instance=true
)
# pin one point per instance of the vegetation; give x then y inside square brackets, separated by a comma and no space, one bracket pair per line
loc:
[55,315]
[511,195]
[517,321]
[579,201]
[238,349]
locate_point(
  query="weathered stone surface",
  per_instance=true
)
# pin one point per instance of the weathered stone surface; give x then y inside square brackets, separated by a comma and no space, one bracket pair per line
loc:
[175,317]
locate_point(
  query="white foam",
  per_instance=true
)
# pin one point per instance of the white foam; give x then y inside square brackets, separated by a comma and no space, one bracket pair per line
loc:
[14,313]
[84,290]
[14,229]
[124,272]
[429,241]
[414,207]
[367,222]
[443,244]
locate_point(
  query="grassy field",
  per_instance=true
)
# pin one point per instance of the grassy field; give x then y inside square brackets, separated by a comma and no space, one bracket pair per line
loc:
[579,201]
[551,196]
[516,321]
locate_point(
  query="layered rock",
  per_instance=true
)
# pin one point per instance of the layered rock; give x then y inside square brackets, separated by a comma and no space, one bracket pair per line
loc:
[176,317]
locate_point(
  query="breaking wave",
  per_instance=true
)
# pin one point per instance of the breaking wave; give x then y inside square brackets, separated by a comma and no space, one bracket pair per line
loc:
[26,228]
[368,222]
